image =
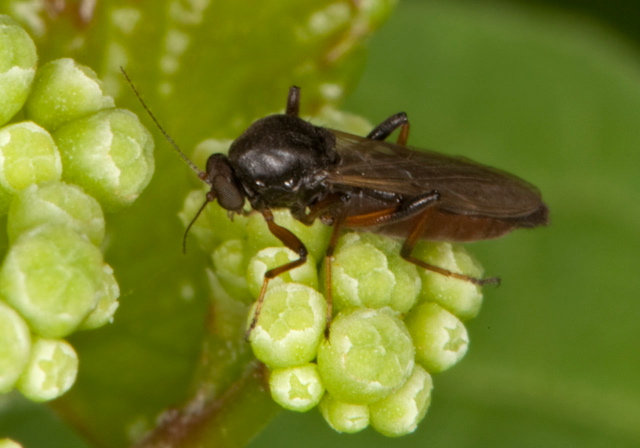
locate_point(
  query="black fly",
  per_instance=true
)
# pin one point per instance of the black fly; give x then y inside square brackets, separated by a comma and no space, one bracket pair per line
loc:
[351,182]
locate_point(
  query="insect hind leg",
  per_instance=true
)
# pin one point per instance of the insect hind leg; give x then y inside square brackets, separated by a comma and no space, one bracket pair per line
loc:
[384,129]
[407,250]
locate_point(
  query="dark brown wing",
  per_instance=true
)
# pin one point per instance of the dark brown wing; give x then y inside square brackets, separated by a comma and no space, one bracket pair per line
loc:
[465,187]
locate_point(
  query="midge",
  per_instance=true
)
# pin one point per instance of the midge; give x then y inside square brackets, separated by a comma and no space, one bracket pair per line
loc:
[351,182]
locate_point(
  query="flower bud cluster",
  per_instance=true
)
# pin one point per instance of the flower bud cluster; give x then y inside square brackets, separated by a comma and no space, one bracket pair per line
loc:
[66,154]
[393,324]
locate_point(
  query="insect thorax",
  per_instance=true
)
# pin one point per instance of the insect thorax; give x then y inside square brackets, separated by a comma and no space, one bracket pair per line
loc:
[277,160]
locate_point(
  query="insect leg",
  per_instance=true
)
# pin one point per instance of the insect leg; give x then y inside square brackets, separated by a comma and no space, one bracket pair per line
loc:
[328,204]
[292,242]
[384,129]
[409,244]
[338,220]
[293,101]
[404,211]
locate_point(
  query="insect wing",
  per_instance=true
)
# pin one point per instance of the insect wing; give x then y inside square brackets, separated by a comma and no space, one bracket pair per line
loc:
[465,187]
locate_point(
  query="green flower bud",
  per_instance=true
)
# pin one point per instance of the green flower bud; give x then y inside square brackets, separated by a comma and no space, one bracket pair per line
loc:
[108,294]
[28,155]
[230,264]
[273,257]
[408,284]
[15,347]
[63,91]
[8,443]
[296,388]
[461,297]
[374,14]
[56,203]
[290,325]
[399,413]
[440,338]
[367,271]
[333,118]
[18,61]
[51,370]
[388,246]
[213,226]
[109,154]
[360,276]
[205,148]
[344,417]
[369,353]
[315,237]
[229,311]
[52,276]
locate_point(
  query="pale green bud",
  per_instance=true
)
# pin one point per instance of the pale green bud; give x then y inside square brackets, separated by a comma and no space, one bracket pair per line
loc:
[8,443]
[28,155]
[273,257]
[296,388]
[56,203]
[206,148]
[290,325]
[107,299]
[332,118]
[360,277]
[399,413]
[51,370]
[344,417]
[52,276]
[63,91]
[230,264]
[14,346]
[440,338]
[315,237]
[461,297]
[18,61]
[229,311]
[369,354]
[109,154]
[367,271]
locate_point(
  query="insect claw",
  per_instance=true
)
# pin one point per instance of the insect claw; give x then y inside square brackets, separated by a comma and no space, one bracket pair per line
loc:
[487,281]
[327,328]
[247,334]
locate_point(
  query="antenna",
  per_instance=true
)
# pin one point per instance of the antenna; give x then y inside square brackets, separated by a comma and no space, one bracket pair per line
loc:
[192,222]
[202,175]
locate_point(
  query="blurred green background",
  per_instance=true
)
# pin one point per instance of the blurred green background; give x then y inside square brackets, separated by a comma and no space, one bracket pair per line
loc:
[549,90]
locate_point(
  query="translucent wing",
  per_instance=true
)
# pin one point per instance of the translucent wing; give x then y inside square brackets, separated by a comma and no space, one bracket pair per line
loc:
[465,187]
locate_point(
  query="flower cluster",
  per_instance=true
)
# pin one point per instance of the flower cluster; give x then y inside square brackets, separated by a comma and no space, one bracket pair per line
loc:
[66,154]
[393,325]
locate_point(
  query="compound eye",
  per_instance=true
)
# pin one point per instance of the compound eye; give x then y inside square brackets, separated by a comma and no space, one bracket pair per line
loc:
[228,194]
[223,183]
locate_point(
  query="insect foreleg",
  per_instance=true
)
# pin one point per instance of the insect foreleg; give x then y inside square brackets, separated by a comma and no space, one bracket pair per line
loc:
[290,241]
[384,129]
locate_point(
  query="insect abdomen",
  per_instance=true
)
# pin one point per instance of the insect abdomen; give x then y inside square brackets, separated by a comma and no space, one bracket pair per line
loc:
[455,227]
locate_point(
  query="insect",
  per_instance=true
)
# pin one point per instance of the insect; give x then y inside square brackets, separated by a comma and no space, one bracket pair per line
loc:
[351,182]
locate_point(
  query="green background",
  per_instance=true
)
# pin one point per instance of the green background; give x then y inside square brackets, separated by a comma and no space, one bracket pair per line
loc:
[553,95]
